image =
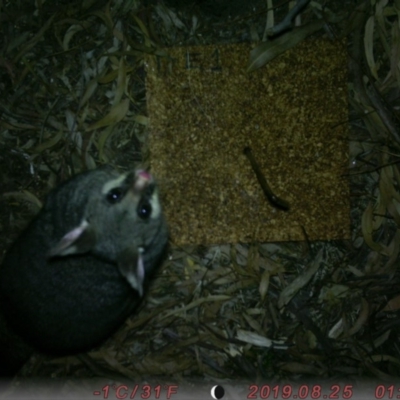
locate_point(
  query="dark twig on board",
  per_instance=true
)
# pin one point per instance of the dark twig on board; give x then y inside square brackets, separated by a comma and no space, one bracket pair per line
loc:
[274,200]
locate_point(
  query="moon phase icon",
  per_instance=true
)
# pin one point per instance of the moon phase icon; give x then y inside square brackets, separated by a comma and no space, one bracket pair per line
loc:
[217,392]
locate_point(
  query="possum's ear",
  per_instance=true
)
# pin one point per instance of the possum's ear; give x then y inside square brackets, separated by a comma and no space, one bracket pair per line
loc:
[131,266]
[79,240]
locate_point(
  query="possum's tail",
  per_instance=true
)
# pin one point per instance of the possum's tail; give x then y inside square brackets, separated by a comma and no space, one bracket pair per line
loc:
[14,351]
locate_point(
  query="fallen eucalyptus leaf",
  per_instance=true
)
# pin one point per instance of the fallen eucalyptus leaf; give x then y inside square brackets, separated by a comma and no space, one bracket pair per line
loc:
[116,114]
[26,196]
[48,144]
[256,340]
[263,288]
[288,293]
[267,51]
[367,229]
[369,46]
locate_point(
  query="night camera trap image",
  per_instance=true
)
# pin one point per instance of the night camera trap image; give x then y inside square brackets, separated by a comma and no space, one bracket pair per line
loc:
[197,195]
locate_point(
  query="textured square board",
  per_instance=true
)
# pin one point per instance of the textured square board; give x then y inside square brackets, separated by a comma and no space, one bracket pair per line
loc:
[204,109]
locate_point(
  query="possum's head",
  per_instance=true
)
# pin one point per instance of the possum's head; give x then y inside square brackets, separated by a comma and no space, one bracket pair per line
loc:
[118,218]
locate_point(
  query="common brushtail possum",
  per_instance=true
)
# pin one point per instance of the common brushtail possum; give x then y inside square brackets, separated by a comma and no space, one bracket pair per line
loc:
[81,266]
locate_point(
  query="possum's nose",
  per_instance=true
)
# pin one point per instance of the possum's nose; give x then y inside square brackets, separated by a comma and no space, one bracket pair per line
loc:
[144,174]
[143,179]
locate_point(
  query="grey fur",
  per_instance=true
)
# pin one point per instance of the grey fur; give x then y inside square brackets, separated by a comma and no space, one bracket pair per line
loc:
[64,284]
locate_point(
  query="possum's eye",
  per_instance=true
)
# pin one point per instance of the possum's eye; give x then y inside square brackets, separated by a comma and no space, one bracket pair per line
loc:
[115,195]
[144,209]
